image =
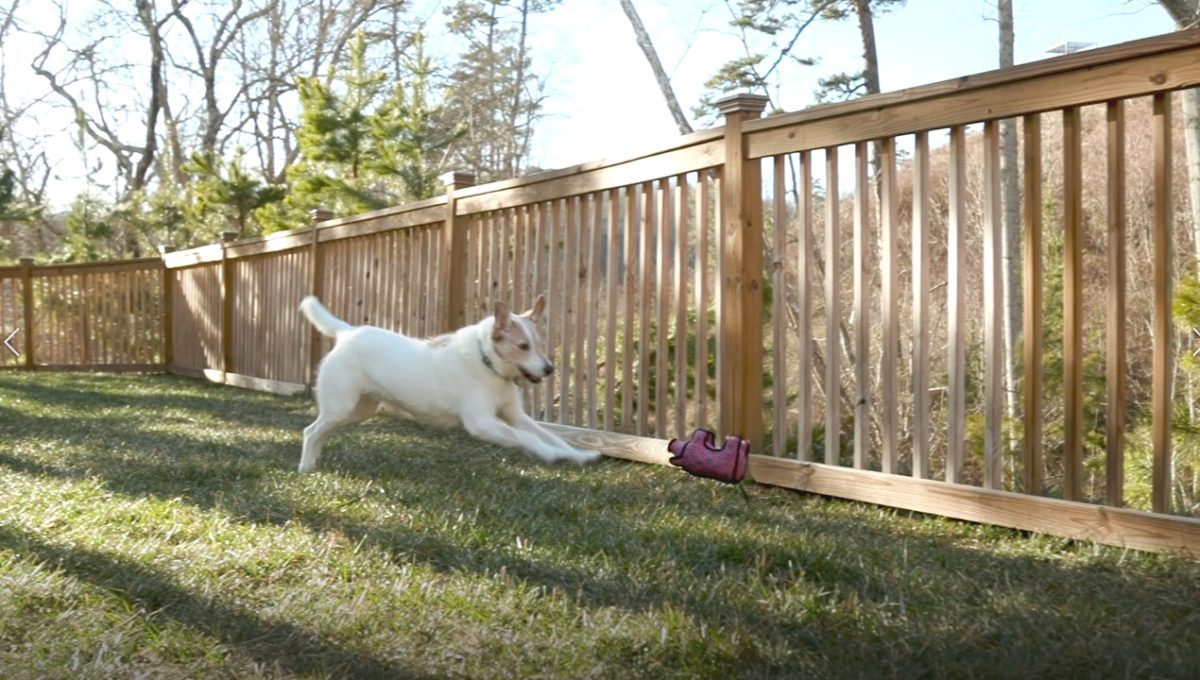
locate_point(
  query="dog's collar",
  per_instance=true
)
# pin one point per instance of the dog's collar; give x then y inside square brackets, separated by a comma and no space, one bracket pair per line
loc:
[487,361]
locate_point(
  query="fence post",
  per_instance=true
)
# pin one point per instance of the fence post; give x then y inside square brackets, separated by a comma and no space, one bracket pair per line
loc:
[27,303]
[227,294]
[316,286]
[454,255]
[168,310]
[740,309]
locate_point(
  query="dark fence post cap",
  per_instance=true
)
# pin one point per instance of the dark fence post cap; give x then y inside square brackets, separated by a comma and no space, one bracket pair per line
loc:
[320,215]
[458,180]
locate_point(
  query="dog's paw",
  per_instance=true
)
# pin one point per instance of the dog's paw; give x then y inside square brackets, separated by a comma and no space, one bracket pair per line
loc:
[305,466]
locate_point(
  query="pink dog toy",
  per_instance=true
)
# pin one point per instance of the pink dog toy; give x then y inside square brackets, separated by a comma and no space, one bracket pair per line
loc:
[701,457]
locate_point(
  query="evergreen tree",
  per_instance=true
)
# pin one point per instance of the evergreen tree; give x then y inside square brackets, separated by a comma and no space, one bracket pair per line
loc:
[227,195]
[367,144]
[89,232]
[413,137]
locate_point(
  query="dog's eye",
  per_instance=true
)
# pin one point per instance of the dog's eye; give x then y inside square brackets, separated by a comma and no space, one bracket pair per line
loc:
[524,346]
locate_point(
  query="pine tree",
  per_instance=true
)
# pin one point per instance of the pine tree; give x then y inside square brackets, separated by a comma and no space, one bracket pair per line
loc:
[228,193]
[412,137]
[366,143]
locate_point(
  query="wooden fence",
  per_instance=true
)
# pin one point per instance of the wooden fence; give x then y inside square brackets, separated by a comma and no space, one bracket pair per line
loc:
[80,316]
[826,283]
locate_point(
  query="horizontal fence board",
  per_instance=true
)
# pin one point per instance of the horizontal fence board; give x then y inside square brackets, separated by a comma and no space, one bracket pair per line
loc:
[430,216]
[682,142]
[193,256]
[689,159]
[280,387]
[98,368]
[963,101]
[14,271]
[1080,521]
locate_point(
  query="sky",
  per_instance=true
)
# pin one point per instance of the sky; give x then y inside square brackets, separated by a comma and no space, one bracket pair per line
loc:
[603,101]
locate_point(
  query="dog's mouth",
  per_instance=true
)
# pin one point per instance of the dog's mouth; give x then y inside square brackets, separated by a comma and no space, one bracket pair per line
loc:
[535,379]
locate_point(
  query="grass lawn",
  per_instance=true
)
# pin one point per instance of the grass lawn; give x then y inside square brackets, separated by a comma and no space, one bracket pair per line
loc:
[154,526]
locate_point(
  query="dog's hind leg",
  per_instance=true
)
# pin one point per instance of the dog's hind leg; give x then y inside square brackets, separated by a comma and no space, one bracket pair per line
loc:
[334,413]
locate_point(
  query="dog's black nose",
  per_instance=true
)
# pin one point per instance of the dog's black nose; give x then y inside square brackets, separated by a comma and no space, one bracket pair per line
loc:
[548,369]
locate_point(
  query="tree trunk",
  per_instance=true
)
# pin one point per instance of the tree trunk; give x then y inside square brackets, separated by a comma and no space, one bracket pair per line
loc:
[660,74]
[1010,199]
[146,162]
[518,87]
[1191,136]
[866,27]
[1186,15]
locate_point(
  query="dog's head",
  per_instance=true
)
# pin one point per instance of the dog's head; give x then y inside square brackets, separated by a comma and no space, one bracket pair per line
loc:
[517,343]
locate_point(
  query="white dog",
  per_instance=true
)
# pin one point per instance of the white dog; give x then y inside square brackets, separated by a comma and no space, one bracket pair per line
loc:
[469,378]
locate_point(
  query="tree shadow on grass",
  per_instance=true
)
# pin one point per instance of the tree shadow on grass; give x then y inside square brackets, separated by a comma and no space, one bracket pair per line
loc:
[273,643]
[86,393]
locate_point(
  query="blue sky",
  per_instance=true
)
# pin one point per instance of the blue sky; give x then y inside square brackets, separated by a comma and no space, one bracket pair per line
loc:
[604,103]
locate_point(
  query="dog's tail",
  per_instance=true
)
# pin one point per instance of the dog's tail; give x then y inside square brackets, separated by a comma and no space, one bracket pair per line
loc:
[322,318]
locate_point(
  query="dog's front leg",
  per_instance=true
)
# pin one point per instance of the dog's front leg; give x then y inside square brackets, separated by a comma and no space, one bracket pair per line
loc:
[523,423]
[493,430]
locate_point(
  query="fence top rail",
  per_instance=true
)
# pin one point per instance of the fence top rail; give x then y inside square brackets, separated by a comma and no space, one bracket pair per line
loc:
[67,268]
[687,153]
[418,213]
[1165,62]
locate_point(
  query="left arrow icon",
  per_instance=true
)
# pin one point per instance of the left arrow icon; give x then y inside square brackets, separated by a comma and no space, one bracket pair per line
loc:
[8,342]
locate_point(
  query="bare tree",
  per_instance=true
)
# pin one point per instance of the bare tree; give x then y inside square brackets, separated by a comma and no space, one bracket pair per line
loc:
[1186,15]
[492,86]
[86,69]
[1010,222]
[660,74]
[27,163]
[209,52]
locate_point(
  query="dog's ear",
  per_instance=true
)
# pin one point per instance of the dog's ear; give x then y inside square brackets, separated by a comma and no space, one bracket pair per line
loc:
[503,319]
[539,308]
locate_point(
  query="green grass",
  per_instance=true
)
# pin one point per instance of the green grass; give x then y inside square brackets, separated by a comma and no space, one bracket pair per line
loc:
[155,526]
